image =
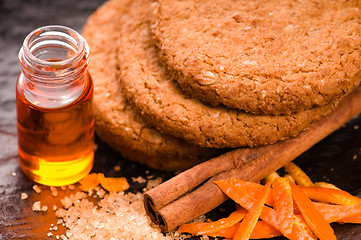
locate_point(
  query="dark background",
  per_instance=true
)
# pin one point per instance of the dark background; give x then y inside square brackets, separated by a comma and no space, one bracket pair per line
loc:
[337,159]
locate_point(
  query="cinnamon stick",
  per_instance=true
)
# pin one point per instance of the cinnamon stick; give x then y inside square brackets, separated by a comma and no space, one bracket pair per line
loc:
[193,193]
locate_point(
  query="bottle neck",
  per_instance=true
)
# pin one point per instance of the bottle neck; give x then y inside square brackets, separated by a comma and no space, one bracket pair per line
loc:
[54,62]
[54,56]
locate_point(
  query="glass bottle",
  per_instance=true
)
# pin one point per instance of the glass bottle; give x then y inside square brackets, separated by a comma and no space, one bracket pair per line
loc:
[54,103]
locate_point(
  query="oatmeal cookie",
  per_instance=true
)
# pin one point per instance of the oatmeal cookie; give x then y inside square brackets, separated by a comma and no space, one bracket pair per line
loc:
[265,56]
[164,105]
[115,121]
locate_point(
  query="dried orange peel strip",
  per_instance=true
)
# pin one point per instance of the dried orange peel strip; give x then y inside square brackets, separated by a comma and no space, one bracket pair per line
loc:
[192,228]
[264,230]
[223,223]
[114,184]
[261,230]
[298,174]
[235,190]
[211,228]
[335,213]
[329,195]
[249,222]
[91,181]
[352,219]
[313,218]
[290,211]
[283,204]
[301,230]
[237,193]
[251,188]
[325,185]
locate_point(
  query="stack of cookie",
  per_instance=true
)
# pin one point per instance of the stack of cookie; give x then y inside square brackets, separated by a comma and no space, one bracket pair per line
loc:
[177,82]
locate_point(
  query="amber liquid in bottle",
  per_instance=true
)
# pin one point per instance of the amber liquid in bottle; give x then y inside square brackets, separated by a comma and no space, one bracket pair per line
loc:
[55,127]
[54,143]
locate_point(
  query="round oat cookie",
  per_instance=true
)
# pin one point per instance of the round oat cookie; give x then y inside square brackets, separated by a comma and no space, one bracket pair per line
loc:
[163,104]
[115,121]
[265,57]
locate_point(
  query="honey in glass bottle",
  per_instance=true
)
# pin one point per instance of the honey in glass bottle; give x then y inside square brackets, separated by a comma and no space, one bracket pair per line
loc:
[54,103]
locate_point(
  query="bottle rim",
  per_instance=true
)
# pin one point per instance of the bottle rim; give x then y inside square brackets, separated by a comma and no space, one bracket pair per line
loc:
[68,37]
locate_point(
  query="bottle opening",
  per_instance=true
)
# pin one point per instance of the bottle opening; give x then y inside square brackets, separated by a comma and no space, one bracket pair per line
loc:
[53,44]
[53,49]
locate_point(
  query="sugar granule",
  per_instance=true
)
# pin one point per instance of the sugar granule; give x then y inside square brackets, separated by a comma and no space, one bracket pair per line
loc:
[44,208]
[36,206]
[54,191]
[24,196]
[37,189]
[101,193]
[139,180]
[154,182]
[68,201]
[204,237]
[116,216]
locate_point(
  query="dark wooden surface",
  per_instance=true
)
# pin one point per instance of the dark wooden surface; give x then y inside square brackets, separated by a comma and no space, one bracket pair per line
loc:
[336,159]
